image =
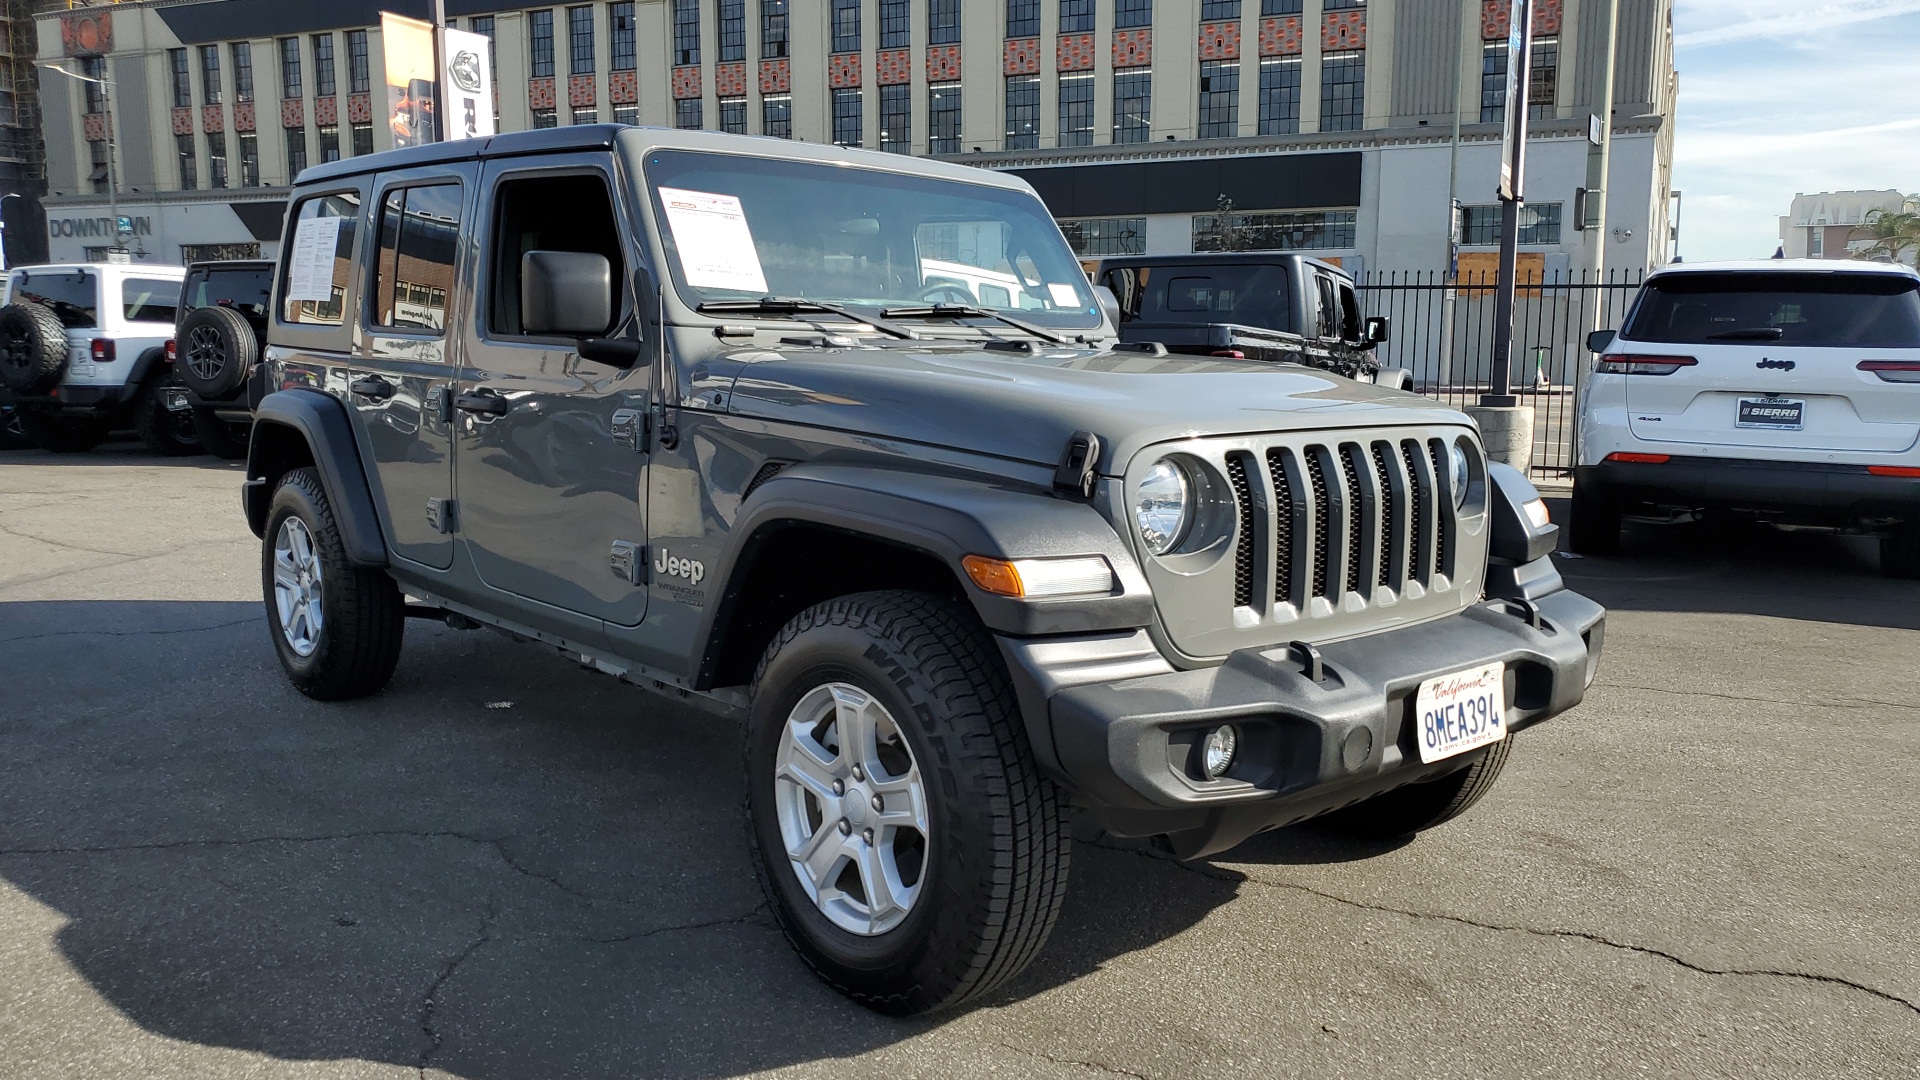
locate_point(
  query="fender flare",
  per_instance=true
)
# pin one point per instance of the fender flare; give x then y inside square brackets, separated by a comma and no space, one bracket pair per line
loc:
[946,518]
[143,367]
[1394,378]
[322,422]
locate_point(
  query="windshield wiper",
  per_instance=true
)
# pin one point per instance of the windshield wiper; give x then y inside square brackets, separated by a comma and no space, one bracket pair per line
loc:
[1750,333]
[793,305]
[968,311]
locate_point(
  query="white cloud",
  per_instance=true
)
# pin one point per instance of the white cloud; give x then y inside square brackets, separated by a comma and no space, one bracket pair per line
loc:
[1792,20]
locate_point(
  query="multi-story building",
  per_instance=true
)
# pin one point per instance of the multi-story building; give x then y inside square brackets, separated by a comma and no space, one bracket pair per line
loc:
[1168,126]
[1830,224]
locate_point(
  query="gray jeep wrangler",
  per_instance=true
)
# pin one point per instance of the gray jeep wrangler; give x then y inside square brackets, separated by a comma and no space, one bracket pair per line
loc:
[844,445]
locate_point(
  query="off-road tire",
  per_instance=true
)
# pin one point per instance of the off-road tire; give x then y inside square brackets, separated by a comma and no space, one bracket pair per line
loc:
[62,434]
[1900,552]
[231,349]
[159,429]
[1593,522]
[1419,807]
[995,870]
[365,614]
[217,437]
[33,348]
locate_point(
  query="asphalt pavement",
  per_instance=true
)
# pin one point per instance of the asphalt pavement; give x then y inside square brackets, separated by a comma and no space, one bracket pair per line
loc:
[507,868]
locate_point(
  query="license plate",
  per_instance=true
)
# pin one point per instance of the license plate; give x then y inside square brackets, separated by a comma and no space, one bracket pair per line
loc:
[1785,414]
[175,399]
[1460,712]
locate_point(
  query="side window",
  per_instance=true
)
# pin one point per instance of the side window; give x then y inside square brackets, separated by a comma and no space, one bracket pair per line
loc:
[413,272]
[150,300]
[1328,324]
[319,259]
[547,213]
[1349,313]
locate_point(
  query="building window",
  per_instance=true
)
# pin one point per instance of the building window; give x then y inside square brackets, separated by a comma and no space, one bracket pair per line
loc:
[358,81]
[95,67]
[896,119]
[1280,96]
[483,25]
[296,151]
[101,176]
[943,118]
[626,114]
[1539,225]
[362,136]
[540,40]
[1215,10]
[1280,7]
[1343,78]
[1132,105]
[1106,236]
[1219,99]
[686,114]
[1076,16]
[943,22]
[189,167]
[896,23]
[249,159]
[545,118]
[773,29]
[1312,230]
[846,25]
[1343,5]
[323,73]
[290,67]
[580,41]
[210,75]
[1023,18]
[1128,13]
[588,115]
[733,30]
[216,159]
[1544,79]
[1076,110]
[686,33]
[182,79]
[1816,242]
[776,116]
[329,142]
[846,116]
[242,71]
[1023,112]
[193,253]
[733,115]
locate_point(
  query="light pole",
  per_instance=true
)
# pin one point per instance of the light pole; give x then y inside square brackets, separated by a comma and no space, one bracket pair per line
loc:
[105,83]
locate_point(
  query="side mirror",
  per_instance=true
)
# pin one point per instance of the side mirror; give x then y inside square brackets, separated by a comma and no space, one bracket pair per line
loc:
[1598,340]
[565,293]
[1374,332]
[1109,304]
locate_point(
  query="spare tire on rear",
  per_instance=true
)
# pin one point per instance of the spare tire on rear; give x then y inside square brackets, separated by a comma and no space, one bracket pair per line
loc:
[33,348]
[214,351]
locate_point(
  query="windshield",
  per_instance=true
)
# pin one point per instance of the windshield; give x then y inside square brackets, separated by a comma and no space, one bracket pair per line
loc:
[244,291]
[69,293]
[1223,293]
[1768,308]
[740,228]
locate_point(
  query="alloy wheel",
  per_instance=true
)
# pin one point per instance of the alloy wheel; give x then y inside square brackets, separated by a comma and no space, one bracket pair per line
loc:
[204,353]
[296,586]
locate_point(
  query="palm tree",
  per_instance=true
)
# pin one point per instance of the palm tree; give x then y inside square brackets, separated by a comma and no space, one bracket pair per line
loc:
[1893,232]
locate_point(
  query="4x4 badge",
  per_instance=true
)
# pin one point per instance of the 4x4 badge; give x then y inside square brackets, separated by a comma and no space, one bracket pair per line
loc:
[1783,365]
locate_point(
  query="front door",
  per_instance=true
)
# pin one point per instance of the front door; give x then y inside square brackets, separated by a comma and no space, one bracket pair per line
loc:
[551,464]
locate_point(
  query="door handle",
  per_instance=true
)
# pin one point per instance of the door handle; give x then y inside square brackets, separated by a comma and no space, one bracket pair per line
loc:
[372,386]
[481,401]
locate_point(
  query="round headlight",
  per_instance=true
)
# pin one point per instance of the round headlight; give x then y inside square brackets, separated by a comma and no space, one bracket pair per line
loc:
[1163,506]
[1462,476]
[1216,751]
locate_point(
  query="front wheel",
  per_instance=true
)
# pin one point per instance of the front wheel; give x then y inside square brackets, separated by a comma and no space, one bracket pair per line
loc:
[911,851]
[1418,807]
[336,627]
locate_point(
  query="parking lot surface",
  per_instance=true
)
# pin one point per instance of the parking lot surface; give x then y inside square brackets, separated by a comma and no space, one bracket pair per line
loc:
[506,867]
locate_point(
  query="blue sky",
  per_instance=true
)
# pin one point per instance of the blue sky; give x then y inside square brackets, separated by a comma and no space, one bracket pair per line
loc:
[1785,96]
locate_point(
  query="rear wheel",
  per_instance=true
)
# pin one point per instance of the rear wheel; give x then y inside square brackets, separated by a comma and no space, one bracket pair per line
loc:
[62,434]
[910,849]
[336,627]
[1593,523]
[162,430]
[217,436]
[1418,807]
[1900,552]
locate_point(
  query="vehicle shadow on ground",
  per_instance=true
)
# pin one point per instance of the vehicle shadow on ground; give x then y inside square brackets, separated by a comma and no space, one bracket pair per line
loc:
[117,454]
[1741,567]
[502,866]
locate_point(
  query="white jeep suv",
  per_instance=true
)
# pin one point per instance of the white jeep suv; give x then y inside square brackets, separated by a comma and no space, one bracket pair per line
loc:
[1787,390]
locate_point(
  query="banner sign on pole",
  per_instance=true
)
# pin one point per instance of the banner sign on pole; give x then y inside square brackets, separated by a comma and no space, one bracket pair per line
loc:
[466,84]
[408,48]
[1519,57]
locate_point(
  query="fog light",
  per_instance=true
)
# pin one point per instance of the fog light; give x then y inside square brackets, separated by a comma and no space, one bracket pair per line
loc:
[1216,754]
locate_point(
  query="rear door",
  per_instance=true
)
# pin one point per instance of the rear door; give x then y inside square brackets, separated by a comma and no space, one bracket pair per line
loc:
[1775,360]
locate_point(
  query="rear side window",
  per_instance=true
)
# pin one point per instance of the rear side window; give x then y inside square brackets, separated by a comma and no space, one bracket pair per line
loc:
[319,259]
[1761,308]
[72,295]
[244,291]
[413,273]
[1226,293]
[1329,321]
[150,300]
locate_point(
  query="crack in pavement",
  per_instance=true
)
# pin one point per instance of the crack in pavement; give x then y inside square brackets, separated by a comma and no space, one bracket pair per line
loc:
[130,633]
[1224,878]
[734,920]
[428,1002]
[1863,702]
[62,544]
[1113,1070]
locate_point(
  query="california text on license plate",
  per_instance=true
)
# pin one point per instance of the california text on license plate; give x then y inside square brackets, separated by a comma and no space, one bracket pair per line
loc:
[1460,712]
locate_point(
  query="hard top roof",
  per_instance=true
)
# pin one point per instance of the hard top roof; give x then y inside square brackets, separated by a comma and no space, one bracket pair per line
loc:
[1214,258]
[142,269]
[1783,266]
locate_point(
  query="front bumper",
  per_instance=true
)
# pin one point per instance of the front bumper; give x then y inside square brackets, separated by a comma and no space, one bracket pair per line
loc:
[1126,745]
[1813,489]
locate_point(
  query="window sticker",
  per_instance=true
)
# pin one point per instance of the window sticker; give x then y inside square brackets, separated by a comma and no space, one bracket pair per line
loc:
[310,271]
[1063,294]
[716,246]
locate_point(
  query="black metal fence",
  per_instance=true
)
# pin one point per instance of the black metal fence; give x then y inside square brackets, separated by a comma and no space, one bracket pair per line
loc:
[1443,333]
